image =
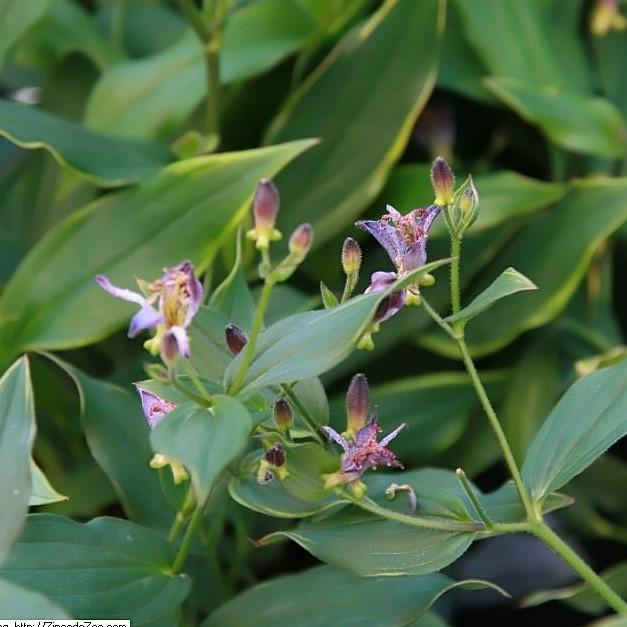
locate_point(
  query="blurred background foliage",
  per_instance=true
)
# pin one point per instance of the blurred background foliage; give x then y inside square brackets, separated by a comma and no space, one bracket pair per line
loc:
[104,123]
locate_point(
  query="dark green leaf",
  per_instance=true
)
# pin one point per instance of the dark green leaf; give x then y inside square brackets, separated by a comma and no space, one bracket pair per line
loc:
[507,283]
[104,160]
[186,212]
[17,432]
[339,597]
[19,602]
[205,440]
[364,129]
[106,568]
[587,420]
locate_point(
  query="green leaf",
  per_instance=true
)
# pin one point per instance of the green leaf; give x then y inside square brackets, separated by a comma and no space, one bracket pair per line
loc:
[509,282]
[308,344]
[42,493]
[210,354]
[186,212]
[339,597]
[106,568]
[17,432]
[583,124]
[311,394]
[587,420]
[503,196]
[102,159]
[19,602]
[118,438]
[386,68]
[153,95]
[372,547]
[16,18]
[205,440]
[580,596]
[588,214]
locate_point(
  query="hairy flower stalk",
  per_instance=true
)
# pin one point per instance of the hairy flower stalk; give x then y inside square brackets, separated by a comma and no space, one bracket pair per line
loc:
[169,307]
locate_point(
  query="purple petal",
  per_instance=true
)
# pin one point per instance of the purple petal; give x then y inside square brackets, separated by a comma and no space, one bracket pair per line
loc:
[426,217]
[332,434]
[387,236]
[146,318]
[368,432]
[120,292]
[155,408]
[390,306]
[396,215]
[182,340]
[388,438]
[415,255]
[380,281]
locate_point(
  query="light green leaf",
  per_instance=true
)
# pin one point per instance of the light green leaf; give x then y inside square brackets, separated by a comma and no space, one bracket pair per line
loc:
[386,69]
[210,354]
[372,547]
[587,420]
[118,438]
[583,124]
[17,432]
[102,159]
[308,344]
[588,214]
[205,440]
[16,18]
[509,282]
[19,602]
[186,212]
[153,95]
[106,568]
[580,596]
[340,598]
[503,196]
[42,493]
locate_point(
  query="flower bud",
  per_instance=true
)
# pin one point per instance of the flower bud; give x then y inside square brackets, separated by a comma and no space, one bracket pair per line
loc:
[272,463]
[443,181]
[606,17]
[351,256]
[236,338]
[275,456]
[265,210]
[466,208]
[301,240]
[357,403]
[282,414]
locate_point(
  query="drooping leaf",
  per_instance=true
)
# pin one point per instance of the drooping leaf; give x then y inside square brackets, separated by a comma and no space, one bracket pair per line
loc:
[143,98]
[16,18]
[587,420]
[108,567]
[186,212]
[118,437]
[42,493]
[102,159]
[205,440]
[17,432]
[340,598]
[363,128]
[583,124]
[308,344]
[509,282]
[19,602]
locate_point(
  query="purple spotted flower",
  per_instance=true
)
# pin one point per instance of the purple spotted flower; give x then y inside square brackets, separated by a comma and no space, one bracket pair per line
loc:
[362,452]
[169,307]
[155,408]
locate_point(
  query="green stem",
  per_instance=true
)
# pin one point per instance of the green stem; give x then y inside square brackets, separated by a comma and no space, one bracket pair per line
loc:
[415,521]
[530,510]
[456,249]
[197,383]
[181,516]
[349,286]
[266,292]
[287,389]
[186,543]
[201,400]
[549,537]
[435,316]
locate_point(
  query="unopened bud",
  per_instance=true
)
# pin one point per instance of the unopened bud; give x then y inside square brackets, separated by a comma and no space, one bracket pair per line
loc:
[357,399]
[272,463]
[351,256]
[443,181]
[282,414]
[265,210]
[301,240]
[275,456]
[236,338]
[467,207]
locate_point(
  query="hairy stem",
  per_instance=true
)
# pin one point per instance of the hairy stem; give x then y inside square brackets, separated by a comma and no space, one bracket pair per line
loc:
[456,249]
[266,292]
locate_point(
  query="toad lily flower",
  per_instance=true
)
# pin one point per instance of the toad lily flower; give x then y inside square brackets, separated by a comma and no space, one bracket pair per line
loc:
[361,453]
[155,409]
[170,306]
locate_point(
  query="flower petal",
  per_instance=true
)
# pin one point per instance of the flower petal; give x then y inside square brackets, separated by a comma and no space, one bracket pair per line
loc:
[155,407]
[120,292]
[332,434]
[146,318]
[388,438]
[387,236]
[182,339]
